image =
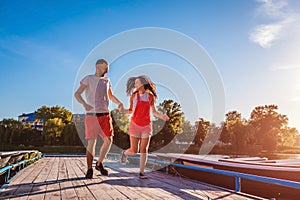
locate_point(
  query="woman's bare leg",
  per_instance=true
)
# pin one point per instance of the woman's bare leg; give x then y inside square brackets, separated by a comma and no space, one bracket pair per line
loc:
[134,146]
[144,153]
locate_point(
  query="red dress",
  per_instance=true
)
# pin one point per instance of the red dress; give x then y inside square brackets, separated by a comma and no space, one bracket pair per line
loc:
[140,121]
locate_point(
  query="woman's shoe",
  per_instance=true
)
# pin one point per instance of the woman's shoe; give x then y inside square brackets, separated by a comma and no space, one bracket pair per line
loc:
[123,158]
[142,175]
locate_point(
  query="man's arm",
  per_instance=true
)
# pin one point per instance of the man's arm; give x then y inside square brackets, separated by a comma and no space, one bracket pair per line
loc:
[79,98]
[129,111]
[115,99]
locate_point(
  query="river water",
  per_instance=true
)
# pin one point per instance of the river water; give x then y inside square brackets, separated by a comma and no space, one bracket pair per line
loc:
[281,156]
[277,156]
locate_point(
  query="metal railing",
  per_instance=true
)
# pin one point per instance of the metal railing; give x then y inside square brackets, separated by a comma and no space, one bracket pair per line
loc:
[237,175]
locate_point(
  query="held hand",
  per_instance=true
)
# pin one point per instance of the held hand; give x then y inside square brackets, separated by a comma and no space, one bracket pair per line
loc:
[165,117]
[121,108]
[88,107]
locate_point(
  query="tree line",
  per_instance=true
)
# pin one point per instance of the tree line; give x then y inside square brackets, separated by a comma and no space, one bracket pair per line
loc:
[58,129]
[266,128]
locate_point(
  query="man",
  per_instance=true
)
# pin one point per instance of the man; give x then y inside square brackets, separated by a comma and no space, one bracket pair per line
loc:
[98,120]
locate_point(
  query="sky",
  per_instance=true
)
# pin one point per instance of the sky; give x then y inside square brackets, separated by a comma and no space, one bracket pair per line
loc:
[253,45]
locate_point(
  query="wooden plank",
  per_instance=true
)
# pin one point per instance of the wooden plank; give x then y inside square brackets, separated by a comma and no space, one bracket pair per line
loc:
[66,186]
[64,178]
[40,183]
[195,188]
[185,187]
[21,187]
[15,183]
[78,178]
[144,188]
[104,181]
[158,188]
[124,183]
[110,190]
[189,189]
[176,192]
[198,188]
[98,191]
[52,188]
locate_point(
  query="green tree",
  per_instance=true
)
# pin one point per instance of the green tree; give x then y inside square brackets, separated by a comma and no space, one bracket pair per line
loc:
[55,118]
[188,132]
[70,136]
[11,128]
[120,123]
[52,130]
[173,110]
[202,131]
[2,134]
[236,129]
[11,123]
[43,113]
[47,113]
[78,120]
[297,140]
[121,120]
[171,127]
[225,136]
[30,136]
[267,124]
[288,137]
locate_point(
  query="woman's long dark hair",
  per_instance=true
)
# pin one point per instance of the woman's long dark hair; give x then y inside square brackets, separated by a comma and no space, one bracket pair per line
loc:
[146,82]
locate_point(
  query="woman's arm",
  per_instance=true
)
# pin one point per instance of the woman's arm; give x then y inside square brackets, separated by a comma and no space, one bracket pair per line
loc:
[156,113]
[129,110]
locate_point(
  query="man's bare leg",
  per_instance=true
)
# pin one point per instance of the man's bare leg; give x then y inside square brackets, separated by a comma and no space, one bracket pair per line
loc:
[90,152]
[107,141]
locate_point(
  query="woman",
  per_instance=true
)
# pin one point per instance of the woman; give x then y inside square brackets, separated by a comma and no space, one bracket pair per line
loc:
[142,97]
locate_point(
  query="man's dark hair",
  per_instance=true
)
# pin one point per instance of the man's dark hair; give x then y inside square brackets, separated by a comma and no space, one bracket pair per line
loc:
[101,61]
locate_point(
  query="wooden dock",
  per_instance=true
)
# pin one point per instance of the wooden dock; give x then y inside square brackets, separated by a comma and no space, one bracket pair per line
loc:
[64,178]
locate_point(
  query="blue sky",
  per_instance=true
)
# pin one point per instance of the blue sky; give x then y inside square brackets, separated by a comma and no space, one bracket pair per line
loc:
[254,45]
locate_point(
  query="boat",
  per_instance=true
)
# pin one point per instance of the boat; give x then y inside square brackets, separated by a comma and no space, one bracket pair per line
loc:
[288,170]
[281,169]
[11,162]
[3,161]
[293,163]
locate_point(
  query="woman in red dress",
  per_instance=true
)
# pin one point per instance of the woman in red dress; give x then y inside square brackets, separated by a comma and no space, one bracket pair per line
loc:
[142,98]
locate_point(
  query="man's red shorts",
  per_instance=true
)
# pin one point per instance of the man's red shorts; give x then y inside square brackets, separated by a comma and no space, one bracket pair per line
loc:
[98,125]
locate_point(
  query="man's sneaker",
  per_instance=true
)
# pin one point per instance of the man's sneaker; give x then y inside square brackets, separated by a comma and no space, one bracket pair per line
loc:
[123,158]
[142,176]
[100,168]
[89,174]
